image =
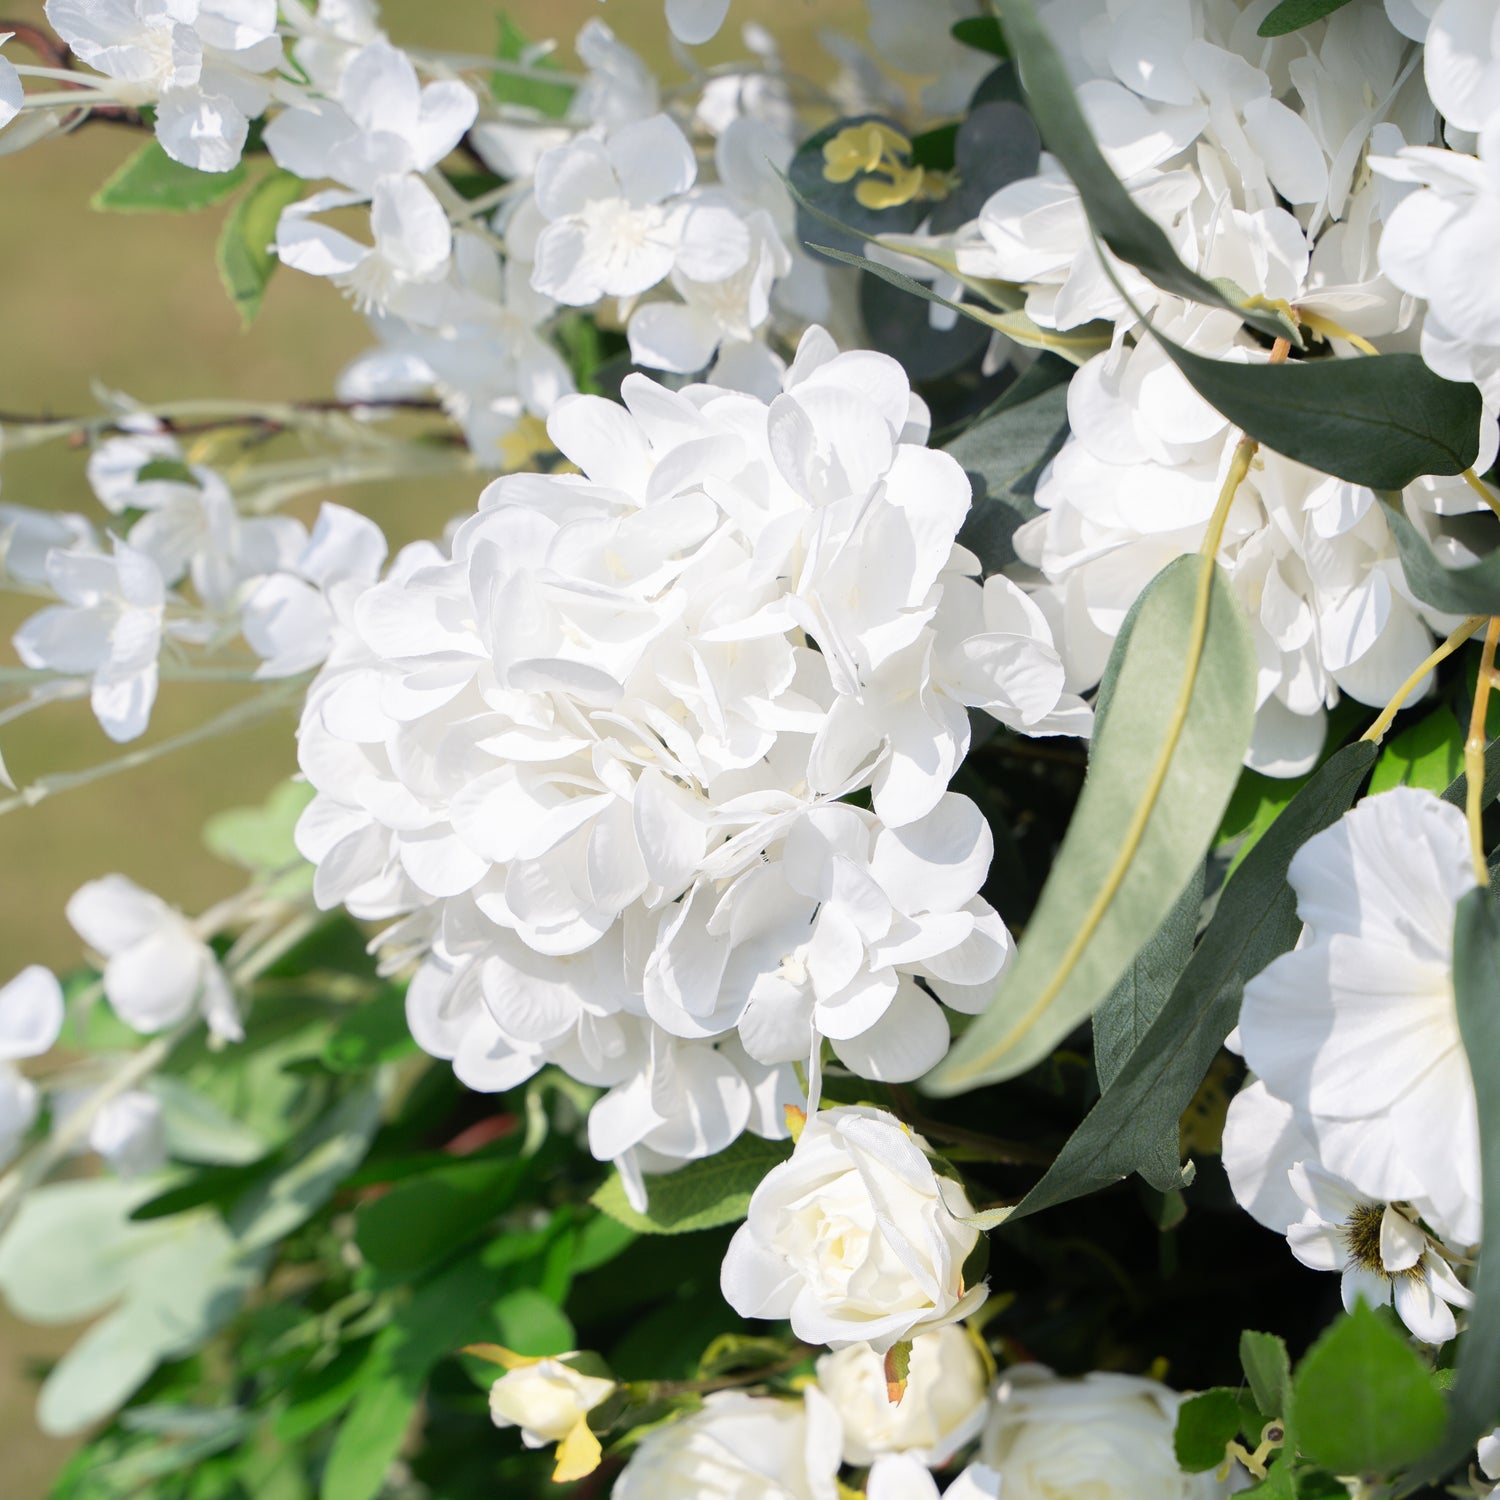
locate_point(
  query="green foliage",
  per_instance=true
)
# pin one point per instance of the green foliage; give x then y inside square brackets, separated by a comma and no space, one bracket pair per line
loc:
[1293,15]
[1380,422]
[1133,236]
[1470,590]
[1153,798]
[1430,754]
[700,1195]
[151,182]
[982,33]
[244,255]
[1362,1401]
[545,97]
[1264,1359]
[833,205]
[1206,1423]
[1255,920]
[260,839]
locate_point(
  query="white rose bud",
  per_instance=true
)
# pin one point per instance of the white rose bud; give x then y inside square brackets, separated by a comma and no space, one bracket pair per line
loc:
[947,1389]
[546,1399]
[856,1239]
[1106,1436]
[740,1447]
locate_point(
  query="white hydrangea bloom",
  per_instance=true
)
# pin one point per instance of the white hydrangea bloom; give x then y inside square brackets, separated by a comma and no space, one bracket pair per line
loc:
[1355,1029]
[157,970]
[755,1447]
[201,64]
[856,1239]
[945,1403]
[593,753]
[31,1020]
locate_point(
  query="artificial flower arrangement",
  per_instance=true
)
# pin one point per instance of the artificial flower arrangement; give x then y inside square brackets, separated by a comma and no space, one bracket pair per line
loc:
[942,790]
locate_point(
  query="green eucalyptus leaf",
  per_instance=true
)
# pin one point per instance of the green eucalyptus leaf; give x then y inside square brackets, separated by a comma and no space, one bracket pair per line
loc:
[1004,453]
[1206,1424]
[1363,1401]
[1130,234]
[244,256]
[1254,922]
[982,33]
[700,1195]
[1154,797]
[1470,590]
[151,182]
[835,203]
[1378,422]
[1293,15]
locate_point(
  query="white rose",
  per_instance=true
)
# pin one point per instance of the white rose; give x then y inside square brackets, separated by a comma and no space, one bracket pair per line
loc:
[1106,1436]
[740,1447]
[546,1399]
[944,1405]
[856,1239]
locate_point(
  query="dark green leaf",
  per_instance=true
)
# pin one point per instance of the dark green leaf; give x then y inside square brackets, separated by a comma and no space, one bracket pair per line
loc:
[1205,1424]
[836,200]
[982,33]
[1264,1359]
[244,255]
[1004,453]
[998,144]
[900,326]
[1293,15]
[151,182]
[1174,784]
[372,1033]
[1255,921]
[1363,1401]
[1474,1403]
[1378,422]
[700,1195]
[1470,590]
[424,1219]
[1131,234]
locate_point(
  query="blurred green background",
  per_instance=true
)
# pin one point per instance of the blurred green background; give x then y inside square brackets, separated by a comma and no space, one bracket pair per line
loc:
[133,302]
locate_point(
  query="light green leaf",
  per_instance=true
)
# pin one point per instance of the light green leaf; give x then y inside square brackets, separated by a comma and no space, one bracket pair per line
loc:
[1263,1358]
[701,1195]
[151,182]
[1159,779]
[1470,590]
[199,1131]
[1293,15]
[261,839]
[1131,234]
[541,94]
[532,1324]
[1363,1401]
[1206,1423]
[1429,755]
[1379,422]
[1254,922]
[245,260]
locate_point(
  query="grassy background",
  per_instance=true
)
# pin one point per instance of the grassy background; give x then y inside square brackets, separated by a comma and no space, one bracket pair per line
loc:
[133,302]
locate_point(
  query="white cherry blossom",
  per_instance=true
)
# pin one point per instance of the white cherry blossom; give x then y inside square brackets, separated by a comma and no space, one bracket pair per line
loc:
[201,64]
[11,92]
[157,970]
[31,1020]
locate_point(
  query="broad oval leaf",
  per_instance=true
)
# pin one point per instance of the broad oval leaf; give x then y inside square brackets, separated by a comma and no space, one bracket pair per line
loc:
[1380,422]
[1131,234]
[1152,803]
[1254,922]
[151,182]
[700,1195]
[246,262]
[1293,15]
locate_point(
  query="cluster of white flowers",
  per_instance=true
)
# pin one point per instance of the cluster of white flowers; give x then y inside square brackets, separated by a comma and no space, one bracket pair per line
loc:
[158,972]
[122,607]
[1359,1138]
[596,757]
[1254,155]
[1107,1436]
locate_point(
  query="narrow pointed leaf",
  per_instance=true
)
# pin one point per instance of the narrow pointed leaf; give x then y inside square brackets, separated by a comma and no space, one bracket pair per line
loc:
[1293,15]
[1254,922]
[1131,234]
[1155,794]
[244,255]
